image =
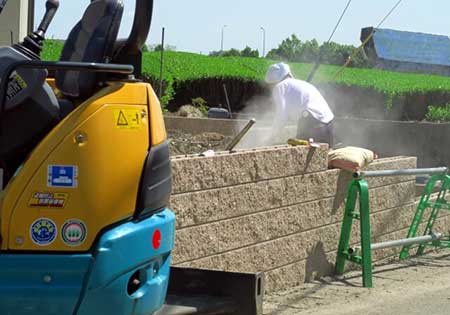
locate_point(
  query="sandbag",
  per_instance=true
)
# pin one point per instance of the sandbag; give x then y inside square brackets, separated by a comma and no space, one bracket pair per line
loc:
[350,158]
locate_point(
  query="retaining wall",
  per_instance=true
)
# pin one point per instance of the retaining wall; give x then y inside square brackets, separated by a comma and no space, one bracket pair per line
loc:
[277,210]
[427,141]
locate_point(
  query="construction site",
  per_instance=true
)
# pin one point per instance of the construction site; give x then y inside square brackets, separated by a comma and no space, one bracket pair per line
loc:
[128,190]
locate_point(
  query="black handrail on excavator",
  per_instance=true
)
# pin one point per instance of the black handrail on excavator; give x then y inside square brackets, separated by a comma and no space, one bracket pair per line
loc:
[59,65]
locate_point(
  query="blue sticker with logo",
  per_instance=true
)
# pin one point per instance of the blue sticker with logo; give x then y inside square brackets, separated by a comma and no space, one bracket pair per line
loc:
[62,176]
[43,231]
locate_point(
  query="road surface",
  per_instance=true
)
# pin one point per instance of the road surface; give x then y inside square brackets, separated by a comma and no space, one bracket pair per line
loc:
[417,286]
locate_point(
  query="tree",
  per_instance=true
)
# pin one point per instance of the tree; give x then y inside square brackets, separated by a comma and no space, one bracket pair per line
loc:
[159,47]
[293,49]
[233,52]
[288,50]
[248,52]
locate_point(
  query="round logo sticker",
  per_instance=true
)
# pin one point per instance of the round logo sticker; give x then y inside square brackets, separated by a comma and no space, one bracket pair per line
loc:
[73,232]
[43,231]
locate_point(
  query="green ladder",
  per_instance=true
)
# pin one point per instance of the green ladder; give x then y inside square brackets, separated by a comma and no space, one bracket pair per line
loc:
[427,202]
[359,190]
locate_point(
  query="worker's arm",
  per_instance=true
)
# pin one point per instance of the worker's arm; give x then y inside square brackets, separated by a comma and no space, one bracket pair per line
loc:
[281,114]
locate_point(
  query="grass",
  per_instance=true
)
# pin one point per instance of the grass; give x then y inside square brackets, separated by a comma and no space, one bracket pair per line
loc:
[438,113]
[180,67]
[52,50]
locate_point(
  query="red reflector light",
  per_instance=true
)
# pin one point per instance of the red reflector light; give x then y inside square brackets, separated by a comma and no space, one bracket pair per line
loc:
[156,239]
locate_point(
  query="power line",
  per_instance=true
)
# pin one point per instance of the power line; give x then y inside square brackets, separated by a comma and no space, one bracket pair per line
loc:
[357,50]
[339,21]
[390,12]
[319,58]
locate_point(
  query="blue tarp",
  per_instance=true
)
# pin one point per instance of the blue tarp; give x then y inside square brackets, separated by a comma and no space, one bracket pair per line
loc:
[412,47]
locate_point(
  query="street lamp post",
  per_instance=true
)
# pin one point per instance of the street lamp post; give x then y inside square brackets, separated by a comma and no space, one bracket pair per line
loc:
[264,41]
[223,29]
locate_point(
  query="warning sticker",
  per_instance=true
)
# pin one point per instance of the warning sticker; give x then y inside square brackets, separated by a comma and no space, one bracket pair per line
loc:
[16,85]
[48,200]
[127,119]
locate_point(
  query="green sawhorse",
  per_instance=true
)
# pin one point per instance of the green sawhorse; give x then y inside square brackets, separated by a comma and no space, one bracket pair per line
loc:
[359,191]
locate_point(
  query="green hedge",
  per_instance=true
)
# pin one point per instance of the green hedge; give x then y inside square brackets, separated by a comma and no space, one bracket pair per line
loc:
[181,66]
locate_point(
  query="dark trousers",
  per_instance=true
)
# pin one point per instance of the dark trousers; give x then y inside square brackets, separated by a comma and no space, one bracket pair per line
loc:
[309,127]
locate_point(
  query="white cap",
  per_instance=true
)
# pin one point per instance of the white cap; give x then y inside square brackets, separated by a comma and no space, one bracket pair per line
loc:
[277,72]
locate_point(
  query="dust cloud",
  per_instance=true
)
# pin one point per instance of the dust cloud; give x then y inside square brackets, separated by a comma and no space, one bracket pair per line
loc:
[262,109]
[355,109]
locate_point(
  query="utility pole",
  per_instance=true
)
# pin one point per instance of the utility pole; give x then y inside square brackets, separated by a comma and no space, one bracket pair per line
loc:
[223,30]
[264,42]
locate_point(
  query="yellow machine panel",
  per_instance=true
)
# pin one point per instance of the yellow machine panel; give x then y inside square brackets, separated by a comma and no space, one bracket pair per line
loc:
[84,176]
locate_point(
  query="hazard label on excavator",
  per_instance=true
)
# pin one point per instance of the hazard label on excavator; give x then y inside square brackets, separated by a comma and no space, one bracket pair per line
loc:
[127,119]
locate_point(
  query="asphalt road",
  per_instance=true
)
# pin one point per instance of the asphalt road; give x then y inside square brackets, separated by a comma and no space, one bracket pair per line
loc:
[417,286]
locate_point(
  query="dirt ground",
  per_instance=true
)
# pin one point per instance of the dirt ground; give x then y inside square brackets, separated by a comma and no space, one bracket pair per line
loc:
[184,144]
[419,285]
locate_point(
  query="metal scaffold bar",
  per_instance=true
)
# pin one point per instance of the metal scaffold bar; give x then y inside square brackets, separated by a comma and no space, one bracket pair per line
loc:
[407,241]
[401,172]
[401,242]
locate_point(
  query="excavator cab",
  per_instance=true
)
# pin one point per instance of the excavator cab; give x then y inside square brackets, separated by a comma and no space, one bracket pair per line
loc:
[84,223]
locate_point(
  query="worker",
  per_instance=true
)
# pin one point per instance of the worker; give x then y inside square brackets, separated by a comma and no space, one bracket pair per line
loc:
[301,100]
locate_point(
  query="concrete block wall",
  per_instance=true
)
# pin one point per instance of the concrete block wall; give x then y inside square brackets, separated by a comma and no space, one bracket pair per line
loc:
[277,210]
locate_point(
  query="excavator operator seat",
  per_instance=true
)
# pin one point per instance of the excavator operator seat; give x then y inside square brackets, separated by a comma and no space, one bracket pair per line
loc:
[34,110]
[91,40]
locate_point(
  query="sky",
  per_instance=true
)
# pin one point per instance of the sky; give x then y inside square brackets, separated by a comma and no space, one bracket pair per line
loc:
[196,25]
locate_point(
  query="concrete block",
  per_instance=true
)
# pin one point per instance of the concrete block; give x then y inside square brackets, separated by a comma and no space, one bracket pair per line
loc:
[393,163]
[200,173]
[222,236]
[295,274]
[219,204]
[253,241]
[321,263]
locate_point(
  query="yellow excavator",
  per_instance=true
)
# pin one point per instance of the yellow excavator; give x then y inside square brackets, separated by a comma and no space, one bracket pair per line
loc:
[84,223]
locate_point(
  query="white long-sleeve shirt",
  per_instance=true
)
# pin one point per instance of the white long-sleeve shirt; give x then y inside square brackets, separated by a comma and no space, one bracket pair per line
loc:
[292,97]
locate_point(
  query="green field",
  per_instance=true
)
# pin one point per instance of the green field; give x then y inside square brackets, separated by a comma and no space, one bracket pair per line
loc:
[180,66]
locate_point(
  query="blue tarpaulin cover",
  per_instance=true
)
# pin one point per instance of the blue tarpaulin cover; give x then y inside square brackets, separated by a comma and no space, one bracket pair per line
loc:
[412,47]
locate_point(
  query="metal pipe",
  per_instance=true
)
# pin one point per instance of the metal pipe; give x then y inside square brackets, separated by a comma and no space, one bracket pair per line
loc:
[401,172]
[407,241]
[241,134]
[228,101]
[400,242]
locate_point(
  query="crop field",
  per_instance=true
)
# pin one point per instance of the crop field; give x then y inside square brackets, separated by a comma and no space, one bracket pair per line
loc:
[180,67]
